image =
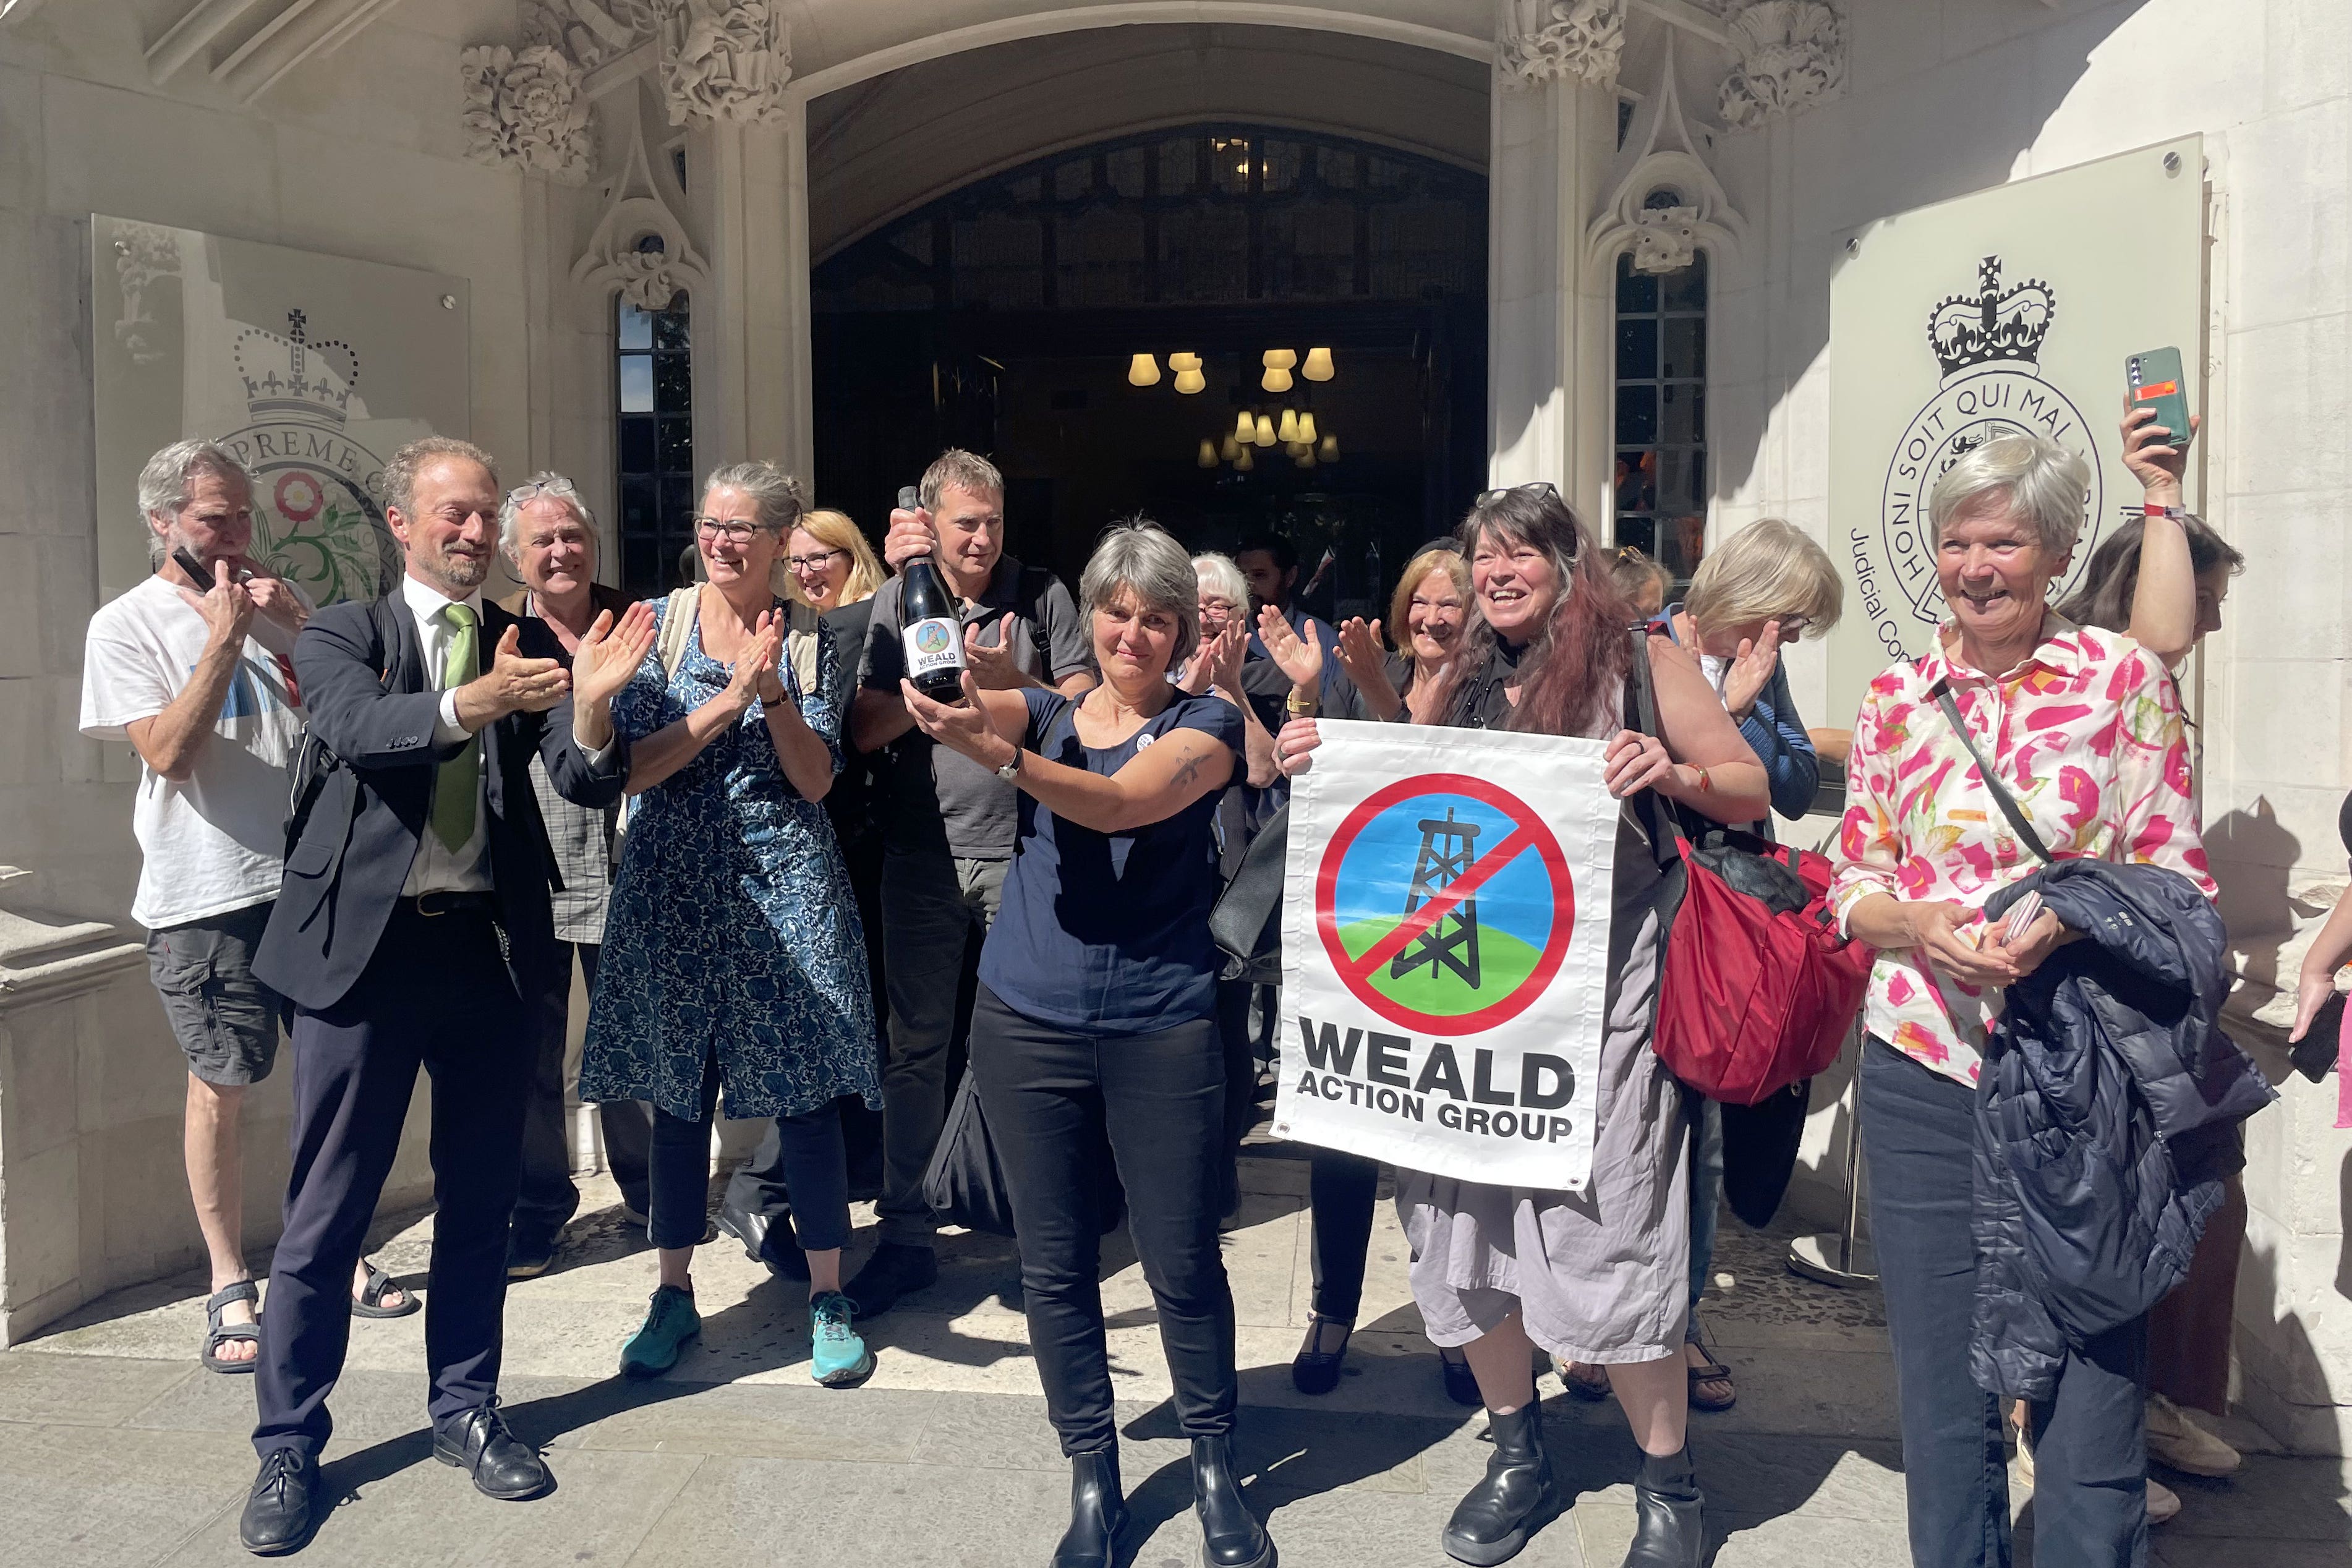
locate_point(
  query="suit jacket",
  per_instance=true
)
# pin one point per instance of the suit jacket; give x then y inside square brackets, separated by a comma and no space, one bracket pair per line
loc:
[373,705]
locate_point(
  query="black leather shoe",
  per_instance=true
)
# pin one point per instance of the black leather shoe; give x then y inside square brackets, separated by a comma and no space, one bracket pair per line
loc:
[1492,1521]
[1316,1369]
[283,1510]
[503,1465]
[756,1231]
[1230,1536]
[896,1269]
[528,1256]
[1097,1512]
[1669,1514]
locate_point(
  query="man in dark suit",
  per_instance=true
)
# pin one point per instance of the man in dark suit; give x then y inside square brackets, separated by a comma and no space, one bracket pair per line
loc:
[412,925]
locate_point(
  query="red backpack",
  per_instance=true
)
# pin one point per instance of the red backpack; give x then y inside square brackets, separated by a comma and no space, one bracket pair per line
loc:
[1759,988]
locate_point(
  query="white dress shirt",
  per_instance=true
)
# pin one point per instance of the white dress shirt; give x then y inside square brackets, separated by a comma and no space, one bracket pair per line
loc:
[437,868]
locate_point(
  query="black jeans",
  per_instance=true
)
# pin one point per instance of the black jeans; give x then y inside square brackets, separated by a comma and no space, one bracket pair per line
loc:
[1051,1097]
[2090,1493]
[1341,1190]
[548,1197]
[813,1163]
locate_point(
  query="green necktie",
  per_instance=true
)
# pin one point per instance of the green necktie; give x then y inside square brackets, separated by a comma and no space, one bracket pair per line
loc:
[460,787]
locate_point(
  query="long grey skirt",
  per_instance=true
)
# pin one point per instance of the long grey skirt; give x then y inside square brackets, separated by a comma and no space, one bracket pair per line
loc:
[1602,1276]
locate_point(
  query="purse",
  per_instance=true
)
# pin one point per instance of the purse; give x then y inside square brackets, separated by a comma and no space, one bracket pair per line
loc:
[1758,986]
[1246,919]
[964,1184]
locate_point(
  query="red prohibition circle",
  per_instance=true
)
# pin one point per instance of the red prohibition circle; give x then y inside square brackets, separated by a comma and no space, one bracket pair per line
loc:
[1540,841]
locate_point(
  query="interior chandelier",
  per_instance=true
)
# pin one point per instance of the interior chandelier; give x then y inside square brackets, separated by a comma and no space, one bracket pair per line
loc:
[1276,366]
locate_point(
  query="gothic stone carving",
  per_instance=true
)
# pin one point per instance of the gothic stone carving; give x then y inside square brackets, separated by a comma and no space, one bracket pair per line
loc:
[526,111]
[144,252]
[1792,56]
[724,59]
[1544,40]
[590,31]
[1665,240]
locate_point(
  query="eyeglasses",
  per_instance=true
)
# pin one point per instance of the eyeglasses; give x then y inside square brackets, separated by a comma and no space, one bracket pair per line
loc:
[732,529]
[813,562]
[1538,489]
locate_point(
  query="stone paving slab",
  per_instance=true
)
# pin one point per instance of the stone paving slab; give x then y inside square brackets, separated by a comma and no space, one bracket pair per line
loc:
[127,1453]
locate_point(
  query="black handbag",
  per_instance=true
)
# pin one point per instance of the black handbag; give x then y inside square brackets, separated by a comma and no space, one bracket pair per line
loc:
[1246,921]
[965,1182]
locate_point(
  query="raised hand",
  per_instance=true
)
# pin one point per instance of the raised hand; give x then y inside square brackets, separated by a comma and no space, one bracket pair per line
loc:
[1360,656]
[610,652]
[1301,658]
[1751,671]
[1222,657]
[277,599]
[961,727]
[512,684]
[911,535]
[227,607]
[992,665]
[2153,460]
[755,666]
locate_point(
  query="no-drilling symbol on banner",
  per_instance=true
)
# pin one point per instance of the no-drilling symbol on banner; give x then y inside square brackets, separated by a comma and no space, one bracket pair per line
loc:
[1444,904]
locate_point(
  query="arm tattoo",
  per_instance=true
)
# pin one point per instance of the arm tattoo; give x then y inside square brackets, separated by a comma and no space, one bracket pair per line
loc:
[1190,771]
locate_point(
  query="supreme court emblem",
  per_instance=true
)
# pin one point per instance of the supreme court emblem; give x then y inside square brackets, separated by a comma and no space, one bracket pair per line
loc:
[1989,344]
[317,520]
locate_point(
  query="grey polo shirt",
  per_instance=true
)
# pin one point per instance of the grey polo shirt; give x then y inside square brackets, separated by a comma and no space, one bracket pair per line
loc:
[927,789]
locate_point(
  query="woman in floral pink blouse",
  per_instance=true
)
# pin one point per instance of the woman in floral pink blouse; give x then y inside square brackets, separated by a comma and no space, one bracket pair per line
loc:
[2084,728]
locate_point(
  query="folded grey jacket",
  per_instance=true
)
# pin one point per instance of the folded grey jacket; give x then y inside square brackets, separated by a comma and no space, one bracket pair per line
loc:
[2108,1114]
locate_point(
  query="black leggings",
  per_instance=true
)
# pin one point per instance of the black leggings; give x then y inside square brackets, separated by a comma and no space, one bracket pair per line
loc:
[815,1165]
[1341,1188]
[1051,1097]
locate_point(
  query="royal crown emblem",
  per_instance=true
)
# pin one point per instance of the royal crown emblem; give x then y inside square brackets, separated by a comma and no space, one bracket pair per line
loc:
[291,377]
[1992,325]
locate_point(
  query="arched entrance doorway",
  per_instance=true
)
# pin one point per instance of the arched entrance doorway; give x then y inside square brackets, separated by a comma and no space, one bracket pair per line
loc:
[1008,317]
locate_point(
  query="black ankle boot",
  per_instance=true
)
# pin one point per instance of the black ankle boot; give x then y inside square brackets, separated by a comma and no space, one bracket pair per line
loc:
[1230,1536]
[1097,1512]
[1669,1524]
[1491,1523]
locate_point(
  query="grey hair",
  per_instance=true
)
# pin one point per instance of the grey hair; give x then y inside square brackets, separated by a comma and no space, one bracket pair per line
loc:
[548,483]
[170,474]
[956,469]
[774,493]
[2044,483]
[400,474]
[1223,575]
[1144,559]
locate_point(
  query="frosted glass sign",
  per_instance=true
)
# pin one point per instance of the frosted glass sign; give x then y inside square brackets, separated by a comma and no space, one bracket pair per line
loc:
[314,369]
[2011,310]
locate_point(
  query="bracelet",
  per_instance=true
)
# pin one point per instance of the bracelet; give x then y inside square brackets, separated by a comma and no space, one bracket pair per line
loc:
[1706,785]
[2152,510]
[1299,706]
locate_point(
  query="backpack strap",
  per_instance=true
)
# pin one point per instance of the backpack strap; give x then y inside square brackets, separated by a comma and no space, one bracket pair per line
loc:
[2000,791]
[678,613]
[1027,596]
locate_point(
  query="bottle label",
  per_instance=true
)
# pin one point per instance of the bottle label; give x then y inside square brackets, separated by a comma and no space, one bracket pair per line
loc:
[933,646]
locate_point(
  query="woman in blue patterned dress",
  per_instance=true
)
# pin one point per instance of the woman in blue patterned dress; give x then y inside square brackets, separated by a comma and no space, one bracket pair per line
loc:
[733,954]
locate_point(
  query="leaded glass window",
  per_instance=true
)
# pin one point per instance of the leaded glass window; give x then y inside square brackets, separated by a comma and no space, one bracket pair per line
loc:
[654,403]
[1662,478]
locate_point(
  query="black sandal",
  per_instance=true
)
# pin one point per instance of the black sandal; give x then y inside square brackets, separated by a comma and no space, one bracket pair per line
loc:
[1316,1369]
[217,1333]
[369,1302]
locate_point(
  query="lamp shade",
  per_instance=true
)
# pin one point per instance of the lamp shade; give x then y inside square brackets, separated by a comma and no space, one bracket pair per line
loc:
[1306,458]
[1265,436]
[1276,380]
[1143,370]
[1330,450]
[1279,359]
[1307,427]
[1246,461]
[1232,449]
[1287,431]
[1190,381]
[1246,426]
[1319,365]
[1180,362]
[1207,455]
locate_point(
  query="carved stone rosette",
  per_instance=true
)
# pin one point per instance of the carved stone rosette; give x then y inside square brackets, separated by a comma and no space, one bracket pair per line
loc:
[1546,40]
[526,110]
[724,59]
[1792,56]
[1665,240]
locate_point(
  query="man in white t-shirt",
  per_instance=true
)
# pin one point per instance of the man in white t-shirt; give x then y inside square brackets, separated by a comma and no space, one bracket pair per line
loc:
[193,672]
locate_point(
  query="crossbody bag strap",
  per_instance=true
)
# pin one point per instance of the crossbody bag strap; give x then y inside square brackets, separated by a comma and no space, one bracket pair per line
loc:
[1666,828]
[1999,791]
[678,628]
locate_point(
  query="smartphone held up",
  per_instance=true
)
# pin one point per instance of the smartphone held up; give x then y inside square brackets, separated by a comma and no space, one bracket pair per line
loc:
[933,632]
[2155,382]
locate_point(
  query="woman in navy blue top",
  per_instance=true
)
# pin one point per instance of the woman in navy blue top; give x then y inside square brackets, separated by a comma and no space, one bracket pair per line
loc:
[1096,1020]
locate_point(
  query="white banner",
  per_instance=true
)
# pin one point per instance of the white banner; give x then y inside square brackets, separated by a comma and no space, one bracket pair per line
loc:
[1445,952]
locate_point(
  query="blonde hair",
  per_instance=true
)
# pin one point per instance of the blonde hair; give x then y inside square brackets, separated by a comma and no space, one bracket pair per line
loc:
[1768,571]
[834,530]
[1442,558]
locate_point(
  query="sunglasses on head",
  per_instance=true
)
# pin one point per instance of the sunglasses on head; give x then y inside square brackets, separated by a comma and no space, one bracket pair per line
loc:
[1538,489]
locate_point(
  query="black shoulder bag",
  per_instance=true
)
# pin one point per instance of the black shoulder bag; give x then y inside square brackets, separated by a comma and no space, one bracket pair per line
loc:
[1993,787]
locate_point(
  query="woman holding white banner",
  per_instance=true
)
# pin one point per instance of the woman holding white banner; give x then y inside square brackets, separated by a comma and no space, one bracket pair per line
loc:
[1096,1019]
[1599,1276]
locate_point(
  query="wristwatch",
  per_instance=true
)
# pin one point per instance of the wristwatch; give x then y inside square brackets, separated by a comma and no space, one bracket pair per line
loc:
[1011,770]
[1299,706]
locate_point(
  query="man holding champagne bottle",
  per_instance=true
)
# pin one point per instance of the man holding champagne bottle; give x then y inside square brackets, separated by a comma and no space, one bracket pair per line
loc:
[958,602]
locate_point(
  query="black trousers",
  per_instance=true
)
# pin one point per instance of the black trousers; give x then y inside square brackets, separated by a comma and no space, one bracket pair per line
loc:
[438,995]
[2090,1466]
[1340,1191]
[1052,1096]
[548,1197]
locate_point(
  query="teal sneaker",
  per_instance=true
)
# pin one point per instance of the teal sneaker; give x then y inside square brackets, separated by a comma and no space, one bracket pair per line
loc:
[837,1356]
[670,1322]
